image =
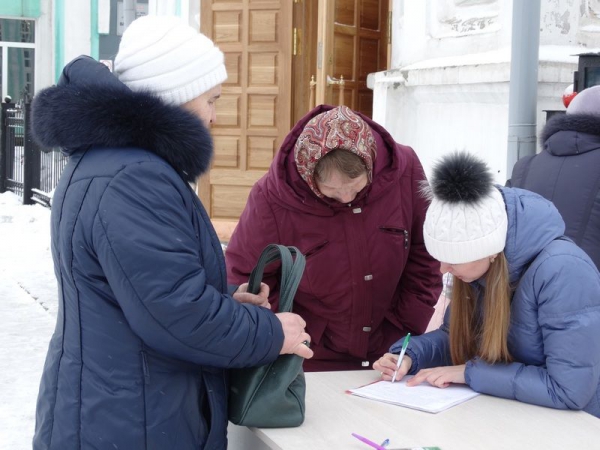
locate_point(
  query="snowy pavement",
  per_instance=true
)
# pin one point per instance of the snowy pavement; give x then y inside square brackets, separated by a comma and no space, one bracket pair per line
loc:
[24,335]
[28,305]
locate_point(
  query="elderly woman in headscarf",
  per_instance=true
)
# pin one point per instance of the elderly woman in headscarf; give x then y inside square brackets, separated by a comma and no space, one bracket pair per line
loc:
[347,195]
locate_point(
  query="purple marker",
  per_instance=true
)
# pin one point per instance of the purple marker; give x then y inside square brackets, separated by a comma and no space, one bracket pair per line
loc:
[368,441]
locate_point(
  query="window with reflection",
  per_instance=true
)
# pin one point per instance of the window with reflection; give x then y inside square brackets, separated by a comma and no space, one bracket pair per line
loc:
[17,55]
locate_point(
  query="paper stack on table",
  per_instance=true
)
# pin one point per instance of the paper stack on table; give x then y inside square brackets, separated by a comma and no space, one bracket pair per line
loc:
[423,397]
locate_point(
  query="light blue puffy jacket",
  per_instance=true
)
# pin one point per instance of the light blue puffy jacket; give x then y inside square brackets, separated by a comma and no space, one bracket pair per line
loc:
[554,335]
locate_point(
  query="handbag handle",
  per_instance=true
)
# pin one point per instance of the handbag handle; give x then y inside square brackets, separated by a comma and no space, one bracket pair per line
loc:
[291,272]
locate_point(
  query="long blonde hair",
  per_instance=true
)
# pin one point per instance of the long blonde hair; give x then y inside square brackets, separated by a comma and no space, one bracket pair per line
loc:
[487,339]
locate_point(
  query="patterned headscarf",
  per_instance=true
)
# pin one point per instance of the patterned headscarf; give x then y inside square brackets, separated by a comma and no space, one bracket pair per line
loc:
[339,128]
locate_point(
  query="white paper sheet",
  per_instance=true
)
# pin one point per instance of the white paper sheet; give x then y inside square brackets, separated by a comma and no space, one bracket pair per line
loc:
[423,397]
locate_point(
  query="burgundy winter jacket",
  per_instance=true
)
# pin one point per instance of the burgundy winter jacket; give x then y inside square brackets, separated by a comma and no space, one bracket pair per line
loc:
[368,279]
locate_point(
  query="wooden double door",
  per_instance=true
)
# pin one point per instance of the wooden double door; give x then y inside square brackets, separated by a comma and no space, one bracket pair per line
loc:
[281,56]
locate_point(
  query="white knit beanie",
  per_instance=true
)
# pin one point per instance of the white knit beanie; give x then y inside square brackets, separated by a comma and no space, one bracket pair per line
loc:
[166,56]
[466,220]
[586,102]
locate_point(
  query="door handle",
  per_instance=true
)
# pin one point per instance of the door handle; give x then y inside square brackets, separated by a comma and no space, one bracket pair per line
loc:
[340,82]
[311,87]
[331,80]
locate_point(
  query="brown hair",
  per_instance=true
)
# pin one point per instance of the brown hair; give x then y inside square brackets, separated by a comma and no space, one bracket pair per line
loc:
[344,161]
[488,339]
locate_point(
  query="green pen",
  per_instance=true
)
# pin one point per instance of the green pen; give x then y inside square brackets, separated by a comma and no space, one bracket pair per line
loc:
[402,352]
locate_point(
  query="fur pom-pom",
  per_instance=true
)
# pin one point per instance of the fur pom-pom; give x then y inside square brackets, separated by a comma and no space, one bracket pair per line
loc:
[461,177]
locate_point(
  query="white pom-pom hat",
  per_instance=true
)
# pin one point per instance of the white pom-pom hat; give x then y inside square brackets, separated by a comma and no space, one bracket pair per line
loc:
[466,220]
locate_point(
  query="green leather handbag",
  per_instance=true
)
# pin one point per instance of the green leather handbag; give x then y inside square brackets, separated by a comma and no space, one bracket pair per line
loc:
[272,396]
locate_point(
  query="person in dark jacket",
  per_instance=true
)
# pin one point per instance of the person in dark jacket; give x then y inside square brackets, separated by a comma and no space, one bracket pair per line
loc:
[524,322]
[566,170]
[145,327]
[347,195]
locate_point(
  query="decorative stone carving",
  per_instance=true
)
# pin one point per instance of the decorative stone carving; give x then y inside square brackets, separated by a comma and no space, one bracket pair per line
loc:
[453,18]
[590,17]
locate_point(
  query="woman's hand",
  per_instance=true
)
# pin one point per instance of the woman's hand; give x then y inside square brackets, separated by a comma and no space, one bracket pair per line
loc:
[261,299]
[387,366]
[296,339]
[439,376]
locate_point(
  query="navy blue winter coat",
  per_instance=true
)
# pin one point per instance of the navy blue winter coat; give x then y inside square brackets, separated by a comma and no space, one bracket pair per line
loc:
[567,172]
[145,327]
[554,333]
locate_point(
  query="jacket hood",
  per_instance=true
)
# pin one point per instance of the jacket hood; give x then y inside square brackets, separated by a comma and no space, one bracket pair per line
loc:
[571,134]
[285,186]
[533,222]
[91,107]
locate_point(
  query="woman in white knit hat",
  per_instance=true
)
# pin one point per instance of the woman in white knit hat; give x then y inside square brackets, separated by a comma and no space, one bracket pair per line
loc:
[165,56]
[524,322]
[146,328]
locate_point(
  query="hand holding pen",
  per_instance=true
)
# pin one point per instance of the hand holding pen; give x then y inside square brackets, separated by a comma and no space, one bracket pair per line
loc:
[394,366]
[402,352]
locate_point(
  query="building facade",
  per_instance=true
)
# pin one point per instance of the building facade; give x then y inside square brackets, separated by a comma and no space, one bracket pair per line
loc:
[38,37]
[448,85]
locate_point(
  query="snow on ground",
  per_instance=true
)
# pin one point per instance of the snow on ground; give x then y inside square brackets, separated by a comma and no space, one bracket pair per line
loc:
[28,302]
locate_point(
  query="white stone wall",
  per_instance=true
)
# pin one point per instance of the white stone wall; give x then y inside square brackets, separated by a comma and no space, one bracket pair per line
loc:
[77,32]
[44,47]
[449,86]
[445,28]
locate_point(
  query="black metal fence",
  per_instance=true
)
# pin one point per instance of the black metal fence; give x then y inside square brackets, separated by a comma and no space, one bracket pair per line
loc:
[25,169]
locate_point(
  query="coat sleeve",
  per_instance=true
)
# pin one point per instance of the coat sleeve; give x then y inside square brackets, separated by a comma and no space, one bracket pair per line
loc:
[428,350]
[255,230]
[421,282]
[147,245]
[566,291]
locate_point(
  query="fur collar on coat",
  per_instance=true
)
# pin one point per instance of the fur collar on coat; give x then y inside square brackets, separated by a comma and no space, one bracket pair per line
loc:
[91,107]
[581,123]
